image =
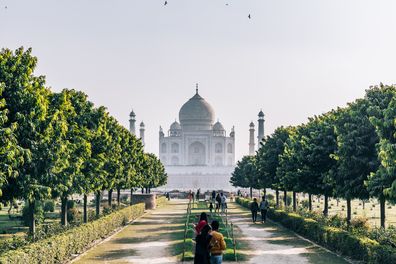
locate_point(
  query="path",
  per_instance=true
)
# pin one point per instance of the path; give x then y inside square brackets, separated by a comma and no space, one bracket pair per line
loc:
[147,240]
[271,243]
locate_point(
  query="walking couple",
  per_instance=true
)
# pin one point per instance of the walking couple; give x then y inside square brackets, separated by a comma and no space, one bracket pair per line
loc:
[263,207]
[210,244]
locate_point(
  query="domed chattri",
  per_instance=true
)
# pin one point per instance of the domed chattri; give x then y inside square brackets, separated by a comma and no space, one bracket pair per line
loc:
[196,113]
[218,126]
[175,126]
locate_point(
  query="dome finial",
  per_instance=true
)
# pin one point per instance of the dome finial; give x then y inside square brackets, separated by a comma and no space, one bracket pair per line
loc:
[196,88]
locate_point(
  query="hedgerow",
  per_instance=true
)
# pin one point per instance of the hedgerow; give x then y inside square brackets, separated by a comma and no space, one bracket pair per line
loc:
[60,248]
[333,238]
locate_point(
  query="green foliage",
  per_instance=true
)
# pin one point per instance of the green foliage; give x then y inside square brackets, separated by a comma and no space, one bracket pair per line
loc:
[38,213]
[60,248]
[49,206]
[246,174]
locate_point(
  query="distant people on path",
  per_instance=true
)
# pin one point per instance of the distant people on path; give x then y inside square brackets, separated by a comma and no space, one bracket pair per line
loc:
[211,207]
[217,244]
[218,202]
[168,196]
[203,220]
[193,196]
[190,196]
[264,205]
[254,207]
[223,201]
[198,193]
[202,254]
[213,196]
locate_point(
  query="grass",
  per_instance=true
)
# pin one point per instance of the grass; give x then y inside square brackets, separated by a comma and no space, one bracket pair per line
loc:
[198,208]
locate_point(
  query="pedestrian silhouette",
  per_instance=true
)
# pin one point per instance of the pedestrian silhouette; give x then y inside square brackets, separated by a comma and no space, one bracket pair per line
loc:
[249,16]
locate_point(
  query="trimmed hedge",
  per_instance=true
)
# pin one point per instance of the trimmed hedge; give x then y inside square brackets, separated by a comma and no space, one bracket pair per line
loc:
[161,201]
[60,248]
[356,247]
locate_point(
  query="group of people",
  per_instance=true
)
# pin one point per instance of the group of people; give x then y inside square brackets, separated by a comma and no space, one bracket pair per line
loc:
[220,200]
[263,208]
[210,243]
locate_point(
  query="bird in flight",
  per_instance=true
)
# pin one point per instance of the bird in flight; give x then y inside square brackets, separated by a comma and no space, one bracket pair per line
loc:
[249,16]
[166,2]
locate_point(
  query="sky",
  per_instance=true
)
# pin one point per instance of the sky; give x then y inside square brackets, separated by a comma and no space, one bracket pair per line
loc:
[293,59]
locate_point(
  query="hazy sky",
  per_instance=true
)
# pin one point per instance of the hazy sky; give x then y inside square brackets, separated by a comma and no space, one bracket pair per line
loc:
[293,59]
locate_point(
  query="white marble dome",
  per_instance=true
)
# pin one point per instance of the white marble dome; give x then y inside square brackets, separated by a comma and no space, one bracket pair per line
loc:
[196,111]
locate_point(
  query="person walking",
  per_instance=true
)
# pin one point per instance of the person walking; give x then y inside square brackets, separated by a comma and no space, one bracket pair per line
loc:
[254,207]
[264,205]
[218,202]
[211,207]
[217,244]
[223,201]
[213,196]
[203,239]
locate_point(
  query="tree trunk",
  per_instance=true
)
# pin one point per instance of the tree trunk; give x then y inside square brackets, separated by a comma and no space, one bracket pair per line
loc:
[142,190]
[382,211]
[349,211]
[338,202]
[118,196]
[326,206]
[285,198]
[310,202]
[109,197]
[32,226]
[97,203]
[364,204]
[64,211]
[130,202]
[294,201]
[265,192]
[85,217]
[277,197]
[251,192]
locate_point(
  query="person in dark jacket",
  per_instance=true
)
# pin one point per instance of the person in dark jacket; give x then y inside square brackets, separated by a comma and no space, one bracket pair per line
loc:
[254,207]
[202,255]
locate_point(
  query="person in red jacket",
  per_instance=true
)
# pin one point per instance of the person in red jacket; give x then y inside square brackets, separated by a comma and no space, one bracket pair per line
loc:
[203,220]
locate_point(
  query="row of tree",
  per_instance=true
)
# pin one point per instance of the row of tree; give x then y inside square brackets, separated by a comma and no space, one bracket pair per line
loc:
[54,145]
[347,153]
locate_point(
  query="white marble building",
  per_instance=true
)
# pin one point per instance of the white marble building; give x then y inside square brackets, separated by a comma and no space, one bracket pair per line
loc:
[197,153]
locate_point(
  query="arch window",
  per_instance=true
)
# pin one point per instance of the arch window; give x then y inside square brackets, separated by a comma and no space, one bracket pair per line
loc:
[175,148]
[229,148]
[175,161]
[218,148]
[163,148]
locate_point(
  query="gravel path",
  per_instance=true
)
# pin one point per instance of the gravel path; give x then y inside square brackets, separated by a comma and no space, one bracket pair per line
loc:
[270,243]
[145,241]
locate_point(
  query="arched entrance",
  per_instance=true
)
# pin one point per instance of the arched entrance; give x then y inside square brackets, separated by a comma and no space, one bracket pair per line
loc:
[197,154]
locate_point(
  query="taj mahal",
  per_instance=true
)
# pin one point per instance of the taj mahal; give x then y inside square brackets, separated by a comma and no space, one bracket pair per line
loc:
[197,152]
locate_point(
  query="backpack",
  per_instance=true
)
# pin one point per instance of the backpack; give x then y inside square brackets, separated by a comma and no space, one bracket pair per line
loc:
[264,205]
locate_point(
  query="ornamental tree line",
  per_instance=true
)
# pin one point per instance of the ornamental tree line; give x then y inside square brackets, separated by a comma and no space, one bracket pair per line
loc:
[54,145]
[346,153]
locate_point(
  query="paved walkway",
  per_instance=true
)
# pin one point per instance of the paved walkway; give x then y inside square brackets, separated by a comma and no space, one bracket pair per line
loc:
[270,243]
[147,240]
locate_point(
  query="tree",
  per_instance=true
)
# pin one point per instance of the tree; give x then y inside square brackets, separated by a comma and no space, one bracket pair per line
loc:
[268,159]
[356,153]
[382,110]
[27,101]
[246,174]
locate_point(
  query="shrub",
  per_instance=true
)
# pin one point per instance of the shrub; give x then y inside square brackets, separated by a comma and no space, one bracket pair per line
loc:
[360,223]
[71,204]
[74,216]
[49,206]
[270,197]
[38,213]
[59,248]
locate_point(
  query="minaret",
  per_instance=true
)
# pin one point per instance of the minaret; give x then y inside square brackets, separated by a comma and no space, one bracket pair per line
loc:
[132,121]
[260,135]
[142,132]
[251,139]
[161,132]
